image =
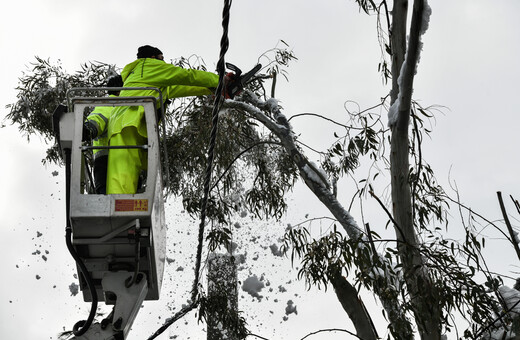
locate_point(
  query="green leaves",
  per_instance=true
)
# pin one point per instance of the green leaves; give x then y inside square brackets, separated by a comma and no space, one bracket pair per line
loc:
[219,236]
[364,137]
[41,88]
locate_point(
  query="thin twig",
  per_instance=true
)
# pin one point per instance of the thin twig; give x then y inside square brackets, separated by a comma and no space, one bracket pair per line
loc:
[478,215]
[370,239]
[389,215]
[237,157]
[273,86]
[331,330]
[517,204]
[508,224]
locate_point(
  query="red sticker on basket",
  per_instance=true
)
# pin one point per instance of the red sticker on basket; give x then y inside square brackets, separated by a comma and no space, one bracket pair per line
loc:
[131,205]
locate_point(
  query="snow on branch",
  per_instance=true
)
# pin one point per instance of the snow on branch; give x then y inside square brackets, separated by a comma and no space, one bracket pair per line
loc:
[511,298]
[310,173]
[399,110]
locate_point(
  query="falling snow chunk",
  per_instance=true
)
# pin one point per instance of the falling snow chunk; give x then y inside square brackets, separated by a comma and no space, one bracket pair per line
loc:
[55,173]
[275,250]
[74,289]
[290,308]
[253,286]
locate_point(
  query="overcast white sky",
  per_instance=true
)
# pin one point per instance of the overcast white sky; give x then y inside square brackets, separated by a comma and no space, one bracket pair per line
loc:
[469,65]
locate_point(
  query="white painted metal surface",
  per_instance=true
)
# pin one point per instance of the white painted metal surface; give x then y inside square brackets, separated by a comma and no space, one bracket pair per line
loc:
[103,226]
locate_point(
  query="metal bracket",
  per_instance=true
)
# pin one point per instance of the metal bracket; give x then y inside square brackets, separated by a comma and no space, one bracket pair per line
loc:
[109,236]
[128,301]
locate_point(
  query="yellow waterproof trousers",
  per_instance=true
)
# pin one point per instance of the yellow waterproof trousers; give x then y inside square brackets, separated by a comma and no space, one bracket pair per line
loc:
[125,165]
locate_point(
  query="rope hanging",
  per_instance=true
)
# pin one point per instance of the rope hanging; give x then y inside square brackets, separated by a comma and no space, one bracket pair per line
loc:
[221,69]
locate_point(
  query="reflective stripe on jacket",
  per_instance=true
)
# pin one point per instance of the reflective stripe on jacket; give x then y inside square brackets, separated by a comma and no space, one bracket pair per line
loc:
[172,81]
[100,117]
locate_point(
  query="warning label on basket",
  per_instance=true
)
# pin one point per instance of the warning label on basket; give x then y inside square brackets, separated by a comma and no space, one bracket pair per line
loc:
[131,205]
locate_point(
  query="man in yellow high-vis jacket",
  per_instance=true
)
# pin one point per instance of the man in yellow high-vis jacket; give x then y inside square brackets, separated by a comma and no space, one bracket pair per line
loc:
[127,125]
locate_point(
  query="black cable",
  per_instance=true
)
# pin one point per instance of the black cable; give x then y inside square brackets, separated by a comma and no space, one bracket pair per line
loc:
[81,326]
[132,280]
[221,69]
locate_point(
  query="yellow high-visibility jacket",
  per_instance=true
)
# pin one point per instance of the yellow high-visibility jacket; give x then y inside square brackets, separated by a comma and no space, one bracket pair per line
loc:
[99,118]
[173,82]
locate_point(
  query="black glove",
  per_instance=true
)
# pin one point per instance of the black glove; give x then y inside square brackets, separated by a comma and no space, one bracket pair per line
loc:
[89,132]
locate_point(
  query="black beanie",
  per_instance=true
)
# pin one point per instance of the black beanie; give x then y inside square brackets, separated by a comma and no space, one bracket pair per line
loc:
[148,51]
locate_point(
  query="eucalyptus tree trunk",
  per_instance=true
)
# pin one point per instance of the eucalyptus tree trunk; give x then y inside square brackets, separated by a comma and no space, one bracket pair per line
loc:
[426,310]
[222,289]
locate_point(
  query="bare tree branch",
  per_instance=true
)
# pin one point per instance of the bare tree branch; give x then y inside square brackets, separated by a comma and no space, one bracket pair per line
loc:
[508,224]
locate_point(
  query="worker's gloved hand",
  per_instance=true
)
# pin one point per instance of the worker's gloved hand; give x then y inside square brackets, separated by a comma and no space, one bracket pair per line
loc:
[231,85]
[89,132]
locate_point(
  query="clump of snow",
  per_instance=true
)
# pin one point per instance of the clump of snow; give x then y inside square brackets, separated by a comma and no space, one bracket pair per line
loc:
[275,250]
[272,104]
[232,247]
[290,308]
[425,23]
[252,285]
[393,112]
[427,12]
[239,258]
[74,289]
[55,173]
[516,239]
[511,297]
[313,175]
